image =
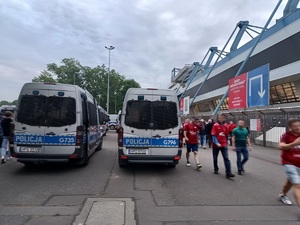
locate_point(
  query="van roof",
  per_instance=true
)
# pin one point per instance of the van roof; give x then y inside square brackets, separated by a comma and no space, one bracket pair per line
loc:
[138,91]
[53,86]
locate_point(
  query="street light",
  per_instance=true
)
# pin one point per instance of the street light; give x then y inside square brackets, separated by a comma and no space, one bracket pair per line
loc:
[107,100]
[115,93]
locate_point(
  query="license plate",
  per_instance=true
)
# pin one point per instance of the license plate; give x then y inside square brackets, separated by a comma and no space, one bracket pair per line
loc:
[29,149]
[137,151]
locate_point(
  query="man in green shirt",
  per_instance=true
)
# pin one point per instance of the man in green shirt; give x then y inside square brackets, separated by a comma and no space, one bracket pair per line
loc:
[240,139]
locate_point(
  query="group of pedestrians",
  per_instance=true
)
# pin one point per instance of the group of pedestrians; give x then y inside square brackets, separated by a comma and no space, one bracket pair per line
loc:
[6,120]
[216,135]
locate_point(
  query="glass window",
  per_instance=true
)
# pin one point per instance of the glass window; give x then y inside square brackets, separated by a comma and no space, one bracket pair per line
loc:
[47,111]
[92,114]
[160,115]
[32,110]
[60,111]
[204,107]
[165,115]
[283,93]
[138,114]
[224,105]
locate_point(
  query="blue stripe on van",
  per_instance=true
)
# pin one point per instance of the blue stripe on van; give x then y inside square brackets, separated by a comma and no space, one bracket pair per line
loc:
[150,142]
[31,139]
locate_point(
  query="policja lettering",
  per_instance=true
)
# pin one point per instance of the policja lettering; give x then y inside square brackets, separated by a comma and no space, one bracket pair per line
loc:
[137,141]
[29,139]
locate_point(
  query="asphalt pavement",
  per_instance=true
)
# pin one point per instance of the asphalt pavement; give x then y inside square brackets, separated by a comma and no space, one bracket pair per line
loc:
[158,195]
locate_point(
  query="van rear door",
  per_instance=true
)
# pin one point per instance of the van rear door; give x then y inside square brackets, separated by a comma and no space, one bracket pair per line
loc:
[137,121]
[29,124]
[60,130]
[165,125]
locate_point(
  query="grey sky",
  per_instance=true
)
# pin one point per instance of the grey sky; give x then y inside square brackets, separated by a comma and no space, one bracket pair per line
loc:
[151,36]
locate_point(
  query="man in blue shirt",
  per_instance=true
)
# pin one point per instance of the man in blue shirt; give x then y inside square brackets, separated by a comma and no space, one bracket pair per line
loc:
[240,139]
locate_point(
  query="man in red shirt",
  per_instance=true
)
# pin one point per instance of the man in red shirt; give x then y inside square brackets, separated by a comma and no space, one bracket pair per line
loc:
[191,131]
[219,137]
[231,127]
[290,156]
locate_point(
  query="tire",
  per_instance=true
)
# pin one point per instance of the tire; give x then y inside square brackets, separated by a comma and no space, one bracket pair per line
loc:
[28,164]
[84,161]
[100,145]
[122,163]
[172,165]
[112,127]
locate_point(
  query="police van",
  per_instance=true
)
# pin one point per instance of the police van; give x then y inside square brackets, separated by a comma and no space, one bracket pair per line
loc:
[55,123]
[150,130]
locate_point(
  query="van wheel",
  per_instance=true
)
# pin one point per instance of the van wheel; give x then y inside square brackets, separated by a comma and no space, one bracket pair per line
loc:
[29,164]
[172,165]
[84,161]
[112,127]
[100,146]
[122,163]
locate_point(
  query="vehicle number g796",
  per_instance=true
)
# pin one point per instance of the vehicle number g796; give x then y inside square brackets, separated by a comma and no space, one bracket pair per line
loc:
[67,140]
[169,142]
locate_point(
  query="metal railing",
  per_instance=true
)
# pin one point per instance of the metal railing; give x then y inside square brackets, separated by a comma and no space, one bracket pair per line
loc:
[273,123]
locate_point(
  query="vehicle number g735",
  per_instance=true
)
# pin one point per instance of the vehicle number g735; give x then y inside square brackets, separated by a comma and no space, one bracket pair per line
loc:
[67,140]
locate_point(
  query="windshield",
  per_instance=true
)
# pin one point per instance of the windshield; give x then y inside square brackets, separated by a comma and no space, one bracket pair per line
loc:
[159,115]
[47,111]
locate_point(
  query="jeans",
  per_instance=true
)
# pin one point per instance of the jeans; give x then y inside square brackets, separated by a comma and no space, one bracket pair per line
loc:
[224,152]
[239,152]
[203,140]
[4,145]
[209,138]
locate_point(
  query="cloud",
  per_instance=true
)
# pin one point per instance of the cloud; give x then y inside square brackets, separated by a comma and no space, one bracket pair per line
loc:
[151,36]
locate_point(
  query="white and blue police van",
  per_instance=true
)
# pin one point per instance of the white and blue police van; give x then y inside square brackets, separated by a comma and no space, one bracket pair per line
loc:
[150,130]
[55,123]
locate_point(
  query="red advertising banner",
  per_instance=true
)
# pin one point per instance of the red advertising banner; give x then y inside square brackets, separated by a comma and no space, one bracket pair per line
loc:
[237,95]
[258,126]
[181,106]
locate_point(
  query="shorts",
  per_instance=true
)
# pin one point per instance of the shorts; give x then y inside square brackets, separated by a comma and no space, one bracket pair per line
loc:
[192,147]
[293,173]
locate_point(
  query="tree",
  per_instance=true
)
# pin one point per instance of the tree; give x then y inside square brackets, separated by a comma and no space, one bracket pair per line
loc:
[4,102]
[44,77]
[92,79]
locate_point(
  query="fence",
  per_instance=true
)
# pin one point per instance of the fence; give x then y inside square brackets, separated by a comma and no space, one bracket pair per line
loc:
[273,123]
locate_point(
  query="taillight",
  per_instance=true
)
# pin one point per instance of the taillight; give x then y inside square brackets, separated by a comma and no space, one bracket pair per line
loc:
[79,135]
[180,138]
[73,156]
[12,133]
[177,158]
[120,136]
[124,157]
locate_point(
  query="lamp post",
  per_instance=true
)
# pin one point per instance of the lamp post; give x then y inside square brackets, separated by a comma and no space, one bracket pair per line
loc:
[107,101]
[115,93]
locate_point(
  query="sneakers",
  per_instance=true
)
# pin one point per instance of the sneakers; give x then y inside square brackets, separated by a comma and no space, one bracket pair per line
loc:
[204,147]
[240,173]
[284,199]
[198,166]
[3,160]
[243,170]
[230,175]
[216,172]
[188,164]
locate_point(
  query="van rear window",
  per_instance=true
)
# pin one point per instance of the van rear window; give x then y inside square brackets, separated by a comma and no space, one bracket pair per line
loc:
[159,115]
[47,111]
